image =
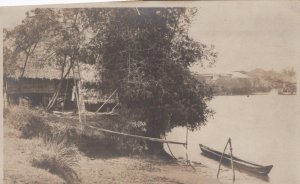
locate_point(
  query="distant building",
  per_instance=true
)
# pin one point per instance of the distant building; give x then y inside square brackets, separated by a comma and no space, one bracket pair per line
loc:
[238,74]
[211,78]
[233,83]
[256,81]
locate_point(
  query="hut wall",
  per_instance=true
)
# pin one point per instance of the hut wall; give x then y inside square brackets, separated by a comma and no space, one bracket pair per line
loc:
[29,86]
[39,91]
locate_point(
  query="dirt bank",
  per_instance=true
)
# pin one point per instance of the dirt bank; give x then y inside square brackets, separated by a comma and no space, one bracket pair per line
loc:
[139,170]
[114,170]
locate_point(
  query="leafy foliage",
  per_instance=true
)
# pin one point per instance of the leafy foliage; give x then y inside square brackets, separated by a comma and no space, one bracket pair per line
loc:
[94,143]
[22,42]
[146,55]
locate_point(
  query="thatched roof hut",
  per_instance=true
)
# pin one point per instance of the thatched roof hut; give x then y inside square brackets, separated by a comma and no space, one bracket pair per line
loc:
[37,72]
[42,82]
[41,74]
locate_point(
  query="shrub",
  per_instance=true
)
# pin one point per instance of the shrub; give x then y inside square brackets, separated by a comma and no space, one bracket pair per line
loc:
[127,145]
[58,158]
[121,144]
[95,143]
[26,120]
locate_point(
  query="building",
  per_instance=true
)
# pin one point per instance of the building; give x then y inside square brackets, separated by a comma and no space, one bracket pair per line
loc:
[39,84]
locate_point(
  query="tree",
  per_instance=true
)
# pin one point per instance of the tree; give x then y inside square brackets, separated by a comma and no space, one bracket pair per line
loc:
[52,37]
[66,44]
[23,40]
[146,55]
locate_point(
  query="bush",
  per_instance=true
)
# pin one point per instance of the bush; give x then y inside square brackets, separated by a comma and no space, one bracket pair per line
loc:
[59,158]
[95,143]
[91,141]
[26,120]
[119,144]
[124,144]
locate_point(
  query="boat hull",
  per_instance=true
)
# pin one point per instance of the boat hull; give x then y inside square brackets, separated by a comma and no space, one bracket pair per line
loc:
[239,163]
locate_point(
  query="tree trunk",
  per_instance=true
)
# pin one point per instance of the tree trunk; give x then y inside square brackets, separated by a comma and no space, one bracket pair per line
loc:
[25,64]
[156,148]
[153,147]
[56,94]
[28,53]
[155,127]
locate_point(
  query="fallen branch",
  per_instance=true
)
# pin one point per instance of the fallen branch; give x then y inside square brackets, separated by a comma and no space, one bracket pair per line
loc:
[137,136]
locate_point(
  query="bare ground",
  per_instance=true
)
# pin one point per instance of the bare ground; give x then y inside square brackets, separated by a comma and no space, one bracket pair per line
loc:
[17,166]
[112,170]
[124,170]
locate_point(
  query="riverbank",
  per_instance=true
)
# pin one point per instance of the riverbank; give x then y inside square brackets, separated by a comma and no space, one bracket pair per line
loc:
[135,170]
[108,168]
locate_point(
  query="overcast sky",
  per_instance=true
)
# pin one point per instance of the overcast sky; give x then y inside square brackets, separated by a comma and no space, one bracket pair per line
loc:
[245,34]
[248,35]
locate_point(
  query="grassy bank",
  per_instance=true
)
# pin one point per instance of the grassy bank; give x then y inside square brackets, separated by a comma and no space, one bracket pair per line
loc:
[38,149]
[18,154]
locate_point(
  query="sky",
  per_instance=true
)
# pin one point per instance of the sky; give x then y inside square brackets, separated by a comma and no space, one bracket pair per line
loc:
[246,34]
[249,35]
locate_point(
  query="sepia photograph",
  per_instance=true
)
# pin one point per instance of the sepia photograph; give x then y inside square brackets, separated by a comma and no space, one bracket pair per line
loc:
[151,93]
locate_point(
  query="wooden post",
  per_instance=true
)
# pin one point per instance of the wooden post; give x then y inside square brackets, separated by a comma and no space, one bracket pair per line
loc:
[81,99]
[231,156]
[186,148]
[106,100]
[112,110]
[138,11]
[222,159]
[232,164]
[186,144]
[77,102]
[77,97]
[65,96]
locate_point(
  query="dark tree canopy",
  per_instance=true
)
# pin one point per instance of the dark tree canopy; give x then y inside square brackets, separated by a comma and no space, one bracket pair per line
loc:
[146,55]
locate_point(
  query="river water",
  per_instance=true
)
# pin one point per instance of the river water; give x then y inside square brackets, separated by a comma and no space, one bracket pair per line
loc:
[263,128]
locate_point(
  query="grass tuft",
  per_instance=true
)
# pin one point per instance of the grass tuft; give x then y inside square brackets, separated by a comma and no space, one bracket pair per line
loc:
[58,158]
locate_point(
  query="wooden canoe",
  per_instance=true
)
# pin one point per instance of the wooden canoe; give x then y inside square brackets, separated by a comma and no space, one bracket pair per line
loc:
[238,163]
